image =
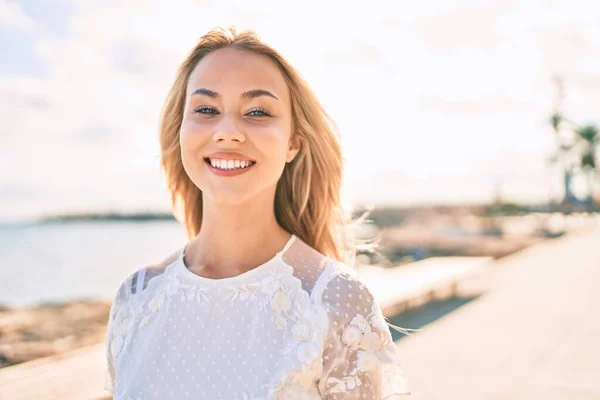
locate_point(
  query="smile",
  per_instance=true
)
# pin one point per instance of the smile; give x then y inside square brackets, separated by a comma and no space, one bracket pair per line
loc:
[228,167]
[229,164]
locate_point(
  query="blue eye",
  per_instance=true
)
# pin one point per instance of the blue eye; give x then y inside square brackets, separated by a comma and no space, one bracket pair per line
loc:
[259,112]
[205,110]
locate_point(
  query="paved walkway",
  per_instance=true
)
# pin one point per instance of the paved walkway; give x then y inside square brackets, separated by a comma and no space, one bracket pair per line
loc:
[533,334]
[77,375]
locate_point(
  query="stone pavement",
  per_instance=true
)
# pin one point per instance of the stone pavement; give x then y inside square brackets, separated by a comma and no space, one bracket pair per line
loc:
[532,330]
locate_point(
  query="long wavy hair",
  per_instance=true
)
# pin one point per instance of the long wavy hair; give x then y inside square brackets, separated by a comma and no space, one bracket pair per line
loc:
[307,197]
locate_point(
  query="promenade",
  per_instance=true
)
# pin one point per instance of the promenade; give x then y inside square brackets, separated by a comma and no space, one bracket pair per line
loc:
[527,328]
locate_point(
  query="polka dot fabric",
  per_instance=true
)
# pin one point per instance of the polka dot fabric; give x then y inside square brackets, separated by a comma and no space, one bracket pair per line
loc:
[300,326]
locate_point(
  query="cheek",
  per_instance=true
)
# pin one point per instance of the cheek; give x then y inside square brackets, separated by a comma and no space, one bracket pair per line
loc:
[276,135]
[193,138]
[273,144]
[191,135]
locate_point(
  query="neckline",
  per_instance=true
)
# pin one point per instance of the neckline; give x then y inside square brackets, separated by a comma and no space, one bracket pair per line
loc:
[183,270]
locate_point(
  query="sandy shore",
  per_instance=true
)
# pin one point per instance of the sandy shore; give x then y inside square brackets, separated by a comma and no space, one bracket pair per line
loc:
[30,333]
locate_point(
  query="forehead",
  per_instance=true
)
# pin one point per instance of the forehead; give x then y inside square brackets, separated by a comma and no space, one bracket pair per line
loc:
[230,70]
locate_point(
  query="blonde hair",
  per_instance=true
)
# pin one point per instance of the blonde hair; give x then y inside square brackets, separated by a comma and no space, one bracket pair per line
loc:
[307,197]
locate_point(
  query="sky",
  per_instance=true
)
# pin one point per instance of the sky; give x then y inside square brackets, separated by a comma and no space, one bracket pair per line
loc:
[436,101]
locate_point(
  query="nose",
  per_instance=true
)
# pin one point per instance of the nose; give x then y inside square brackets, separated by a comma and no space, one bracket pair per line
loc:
[227,129]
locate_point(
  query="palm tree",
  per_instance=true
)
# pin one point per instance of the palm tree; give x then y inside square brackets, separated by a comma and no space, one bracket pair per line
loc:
[577,147]
[590,139]
[563,155]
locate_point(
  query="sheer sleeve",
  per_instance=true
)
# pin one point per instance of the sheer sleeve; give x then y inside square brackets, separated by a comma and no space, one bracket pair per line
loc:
[360,359]
[113,338]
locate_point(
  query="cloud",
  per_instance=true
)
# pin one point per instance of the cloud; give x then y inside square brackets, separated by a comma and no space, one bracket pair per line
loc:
[93,132]
[13,18]
[468,26]
[426,101]
[22,59]
[16,191]
[51,17]
[482,105]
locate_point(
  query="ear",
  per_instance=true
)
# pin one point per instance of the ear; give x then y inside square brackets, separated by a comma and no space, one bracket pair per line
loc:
[293,148]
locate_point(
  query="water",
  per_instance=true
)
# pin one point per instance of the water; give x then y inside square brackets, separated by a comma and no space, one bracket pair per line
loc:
[78,260]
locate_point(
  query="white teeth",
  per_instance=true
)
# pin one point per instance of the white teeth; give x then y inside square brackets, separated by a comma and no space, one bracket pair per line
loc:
[229,164]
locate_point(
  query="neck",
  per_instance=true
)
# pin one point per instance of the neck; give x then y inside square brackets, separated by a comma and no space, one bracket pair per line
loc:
[235,238]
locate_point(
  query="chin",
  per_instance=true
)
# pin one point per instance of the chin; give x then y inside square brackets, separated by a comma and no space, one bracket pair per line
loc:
[231,198]
[234,196]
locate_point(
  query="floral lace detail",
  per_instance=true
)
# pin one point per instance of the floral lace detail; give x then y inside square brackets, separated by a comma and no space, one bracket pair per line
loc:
[278,292]
[123,325]
[193,292]
[243,292]
[294,386]
[359,336]
[245,396]
[172,287]
[294,313]
[303,327]
[242,396]
[132,312]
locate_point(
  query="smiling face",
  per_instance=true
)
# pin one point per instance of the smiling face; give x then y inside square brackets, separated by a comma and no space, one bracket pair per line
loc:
[237,102]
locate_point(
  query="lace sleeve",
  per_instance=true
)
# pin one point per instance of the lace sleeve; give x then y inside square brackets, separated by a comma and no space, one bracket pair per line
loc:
[112,339]
[109,372]
[360,359]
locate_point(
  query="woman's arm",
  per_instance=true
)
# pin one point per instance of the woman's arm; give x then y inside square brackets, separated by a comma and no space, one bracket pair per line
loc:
[361,361]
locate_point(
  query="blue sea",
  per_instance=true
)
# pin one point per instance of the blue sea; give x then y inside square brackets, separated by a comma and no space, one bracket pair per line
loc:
[78,260]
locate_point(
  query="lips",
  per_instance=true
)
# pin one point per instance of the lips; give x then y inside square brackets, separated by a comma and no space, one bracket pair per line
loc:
[229,155]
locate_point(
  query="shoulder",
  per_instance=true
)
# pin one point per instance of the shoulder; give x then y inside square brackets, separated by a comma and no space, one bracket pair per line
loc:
[350,302]
[144,275]
[344,272]
[342,279]
[136,281]
[346,293]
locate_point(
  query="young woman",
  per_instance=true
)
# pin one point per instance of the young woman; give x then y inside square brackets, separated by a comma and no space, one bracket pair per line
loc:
[259,304]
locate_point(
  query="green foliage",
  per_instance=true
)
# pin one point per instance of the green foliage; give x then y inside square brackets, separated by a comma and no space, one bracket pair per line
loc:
[511,209]
[589,133]
[555,120]
[590,137]
[588,160]
[576,146]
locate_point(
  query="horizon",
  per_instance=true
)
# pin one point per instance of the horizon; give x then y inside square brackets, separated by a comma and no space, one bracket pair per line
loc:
[126,214]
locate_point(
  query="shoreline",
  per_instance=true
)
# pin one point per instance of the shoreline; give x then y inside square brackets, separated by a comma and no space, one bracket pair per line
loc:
[30,333]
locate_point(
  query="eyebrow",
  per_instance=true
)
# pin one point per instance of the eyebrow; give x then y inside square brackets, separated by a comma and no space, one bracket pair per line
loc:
[250,94]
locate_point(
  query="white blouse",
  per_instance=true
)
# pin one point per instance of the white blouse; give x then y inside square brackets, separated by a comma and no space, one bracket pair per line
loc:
[299,326]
